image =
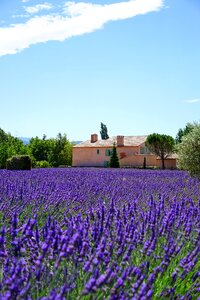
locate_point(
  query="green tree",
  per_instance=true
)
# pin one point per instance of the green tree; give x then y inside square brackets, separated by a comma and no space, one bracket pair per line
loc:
[60,151]
[189,152]
[10,146]
[39,148]
[114,160]
[3,136]
[68,152]
[182,132]
[55,151]
[160,144]
[104,132]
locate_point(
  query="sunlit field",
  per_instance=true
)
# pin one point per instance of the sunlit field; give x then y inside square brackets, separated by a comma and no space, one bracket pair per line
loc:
[99,234]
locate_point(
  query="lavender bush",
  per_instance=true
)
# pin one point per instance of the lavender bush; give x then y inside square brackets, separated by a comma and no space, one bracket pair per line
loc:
[99,234]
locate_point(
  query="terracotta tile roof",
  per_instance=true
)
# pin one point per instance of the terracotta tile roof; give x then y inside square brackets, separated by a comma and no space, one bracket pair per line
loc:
[128,141]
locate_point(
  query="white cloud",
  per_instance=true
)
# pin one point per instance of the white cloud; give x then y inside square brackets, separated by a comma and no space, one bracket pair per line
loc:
[24,1]
[80,18]
[35,9]
[20,16]
[193,100]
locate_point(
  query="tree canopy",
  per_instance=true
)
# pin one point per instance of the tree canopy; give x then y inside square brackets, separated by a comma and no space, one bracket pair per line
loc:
[183,131]
[43,152]
[189,152]
[104,132]
[160,144]
[56,151]
[9,146]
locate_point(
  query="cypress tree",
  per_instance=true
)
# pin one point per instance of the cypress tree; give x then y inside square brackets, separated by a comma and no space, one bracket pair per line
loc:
[114,160]
[104,132]
[144,163]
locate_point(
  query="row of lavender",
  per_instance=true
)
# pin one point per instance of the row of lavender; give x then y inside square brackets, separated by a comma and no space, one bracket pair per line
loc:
[99,234]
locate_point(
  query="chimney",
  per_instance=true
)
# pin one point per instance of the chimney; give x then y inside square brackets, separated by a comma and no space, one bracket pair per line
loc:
[120,140]
[94,138]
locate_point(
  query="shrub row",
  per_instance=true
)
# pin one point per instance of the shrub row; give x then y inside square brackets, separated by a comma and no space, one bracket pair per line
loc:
[20,162]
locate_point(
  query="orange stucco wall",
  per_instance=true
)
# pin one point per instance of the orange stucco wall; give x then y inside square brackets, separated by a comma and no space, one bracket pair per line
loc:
[87,157]
[129,156]
[169,163]
[138,160]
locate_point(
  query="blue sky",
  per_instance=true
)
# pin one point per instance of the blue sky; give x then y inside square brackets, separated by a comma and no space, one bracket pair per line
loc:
[67,66]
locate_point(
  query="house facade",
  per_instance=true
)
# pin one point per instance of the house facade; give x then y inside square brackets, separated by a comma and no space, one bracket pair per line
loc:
[131,152]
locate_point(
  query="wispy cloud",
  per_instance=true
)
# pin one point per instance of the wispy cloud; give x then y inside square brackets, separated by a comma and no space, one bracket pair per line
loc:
[20,16]
[35,9]
[193,100]
[78,19]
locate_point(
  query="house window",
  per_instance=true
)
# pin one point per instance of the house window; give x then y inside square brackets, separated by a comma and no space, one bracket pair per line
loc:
[108,152]
[97,151]
[144,150]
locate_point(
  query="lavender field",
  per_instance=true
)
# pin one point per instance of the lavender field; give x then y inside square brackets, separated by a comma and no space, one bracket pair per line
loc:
[99,234]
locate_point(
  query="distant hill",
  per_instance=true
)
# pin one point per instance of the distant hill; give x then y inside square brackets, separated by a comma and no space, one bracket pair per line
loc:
[25,140]
[76,142]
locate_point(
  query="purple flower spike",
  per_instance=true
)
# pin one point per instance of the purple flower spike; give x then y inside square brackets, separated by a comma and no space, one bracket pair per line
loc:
[90,285]
[102,278]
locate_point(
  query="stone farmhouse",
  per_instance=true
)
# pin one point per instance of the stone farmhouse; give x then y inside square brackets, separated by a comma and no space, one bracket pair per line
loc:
[131,152]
